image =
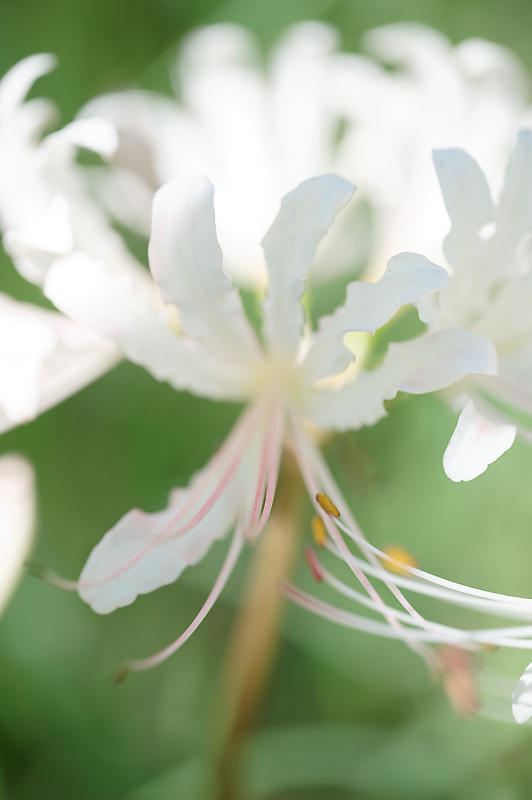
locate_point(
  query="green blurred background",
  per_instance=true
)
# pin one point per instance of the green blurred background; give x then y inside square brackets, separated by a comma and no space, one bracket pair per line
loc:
[345,715]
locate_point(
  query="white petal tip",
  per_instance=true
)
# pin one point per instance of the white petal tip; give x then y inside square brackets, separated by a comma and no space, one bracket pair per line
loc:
[475,444]
[522,697]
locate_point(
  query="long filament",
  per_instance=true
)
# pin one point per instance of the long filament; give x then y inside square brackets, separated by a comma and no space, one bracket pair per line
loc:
[231,558]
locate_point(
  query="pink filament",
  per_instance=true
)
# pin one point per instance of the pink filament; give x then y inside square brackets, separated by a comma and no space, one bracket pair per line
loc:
[312,489]
[219,584]
[331,487]
[269,472]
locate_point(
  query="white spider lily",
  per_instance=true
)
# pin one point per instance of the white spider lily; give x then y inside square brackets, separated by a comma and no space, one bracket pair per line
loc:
[46,213]
[218,355]
[260,130]
[17,516]
[473,95]
[490,293]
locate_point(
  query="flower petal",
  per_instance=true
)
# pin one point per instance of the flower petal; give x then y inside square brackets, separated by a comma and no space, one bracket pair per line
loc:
[17,512]
[97,135]
[44,359]
[522,697]
[45,236]
[300,99]
[426,364]
[467,199]
[367,307]
[124,309]
[475,444]
[514,212]
[186,261]
[290,245]
[16,83]
[144,551]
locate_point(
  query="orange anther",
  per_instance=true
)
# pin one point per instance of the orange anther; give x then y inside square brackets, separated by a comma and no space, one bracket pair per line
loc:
[319,531]
[402,558]
[327,504]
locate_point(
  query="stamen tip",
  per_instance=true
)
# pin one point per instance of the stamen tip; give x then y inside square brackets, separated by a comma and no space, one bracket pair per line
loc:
[319,531]
[327,504]
[314,564]
[398,560]
[120,675]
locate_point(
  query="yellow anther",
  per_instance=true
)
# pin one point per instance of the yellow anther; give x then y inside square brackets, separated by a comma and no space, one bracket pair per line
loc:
[487,647]
[402,558]
[319,531]
[327,504]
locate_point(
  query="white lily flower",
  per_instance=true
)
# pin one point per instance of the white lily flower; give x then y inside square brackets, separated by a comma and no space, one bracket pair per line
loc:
[217,354]
[473,95]
[46,213]
[17,515]
[490,293]
[261,130]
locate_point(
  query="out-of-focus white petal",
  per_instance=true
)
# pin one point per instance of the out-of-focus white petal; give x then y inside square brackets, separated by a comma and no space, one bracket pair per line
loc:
[16,83]
[44,359]
[522,697]
[426,364]
[186,261]
[514,212]
[407,43]
[495,68]
[290,246]
[468,201]
[97,135]
[475,444]
[507,320]
[129,314]
[17,517]
[227,101]
[125,195]
[36,245]
[367,307]
[303,125]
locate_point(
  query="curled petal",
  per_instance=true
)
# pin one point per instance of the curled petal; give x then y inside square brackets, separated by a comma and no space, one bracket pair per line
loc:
[186,261]
[128,313]
[290,246]
[16,83]
[467,199]
[97,135]
[426,364]
[144,551]
[368,306]
[475,444]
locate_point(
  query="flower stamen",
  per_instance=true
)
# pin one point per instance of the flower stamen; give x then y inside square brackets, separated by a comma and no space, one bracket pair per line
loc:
[327,504]
[319,531]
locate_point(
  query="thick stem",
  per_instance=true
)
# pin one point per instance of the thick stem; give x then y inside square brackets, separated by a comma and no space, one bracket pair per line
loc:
[254,639]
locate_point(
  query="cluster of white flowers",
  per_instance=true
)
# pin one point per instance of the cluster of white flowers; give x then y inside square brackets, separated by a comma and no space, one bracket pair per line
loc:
[258,134]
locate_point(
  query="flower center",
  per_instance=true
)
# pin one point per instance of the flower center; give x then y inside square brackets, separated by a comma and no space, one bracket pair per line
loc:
[280,375]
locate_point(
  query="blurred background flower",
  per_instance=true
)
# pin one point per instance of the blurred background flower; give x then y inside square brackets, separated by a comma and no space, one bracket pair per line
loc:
[17,510]
[343,715]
